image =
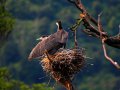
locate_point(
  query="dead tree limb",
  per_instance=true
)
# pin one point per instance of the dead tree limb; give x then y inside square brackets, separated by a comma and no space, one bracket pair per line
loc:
[91,30]
[113,41]
[103,45]
[81,7]
[86,18]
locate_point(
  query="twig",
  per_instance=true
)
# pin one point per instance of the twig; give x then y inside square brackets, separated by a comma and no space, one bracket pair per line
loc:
[90,29]
[87,17]
[103,45]
[81,7]
[74,29]
[75,39]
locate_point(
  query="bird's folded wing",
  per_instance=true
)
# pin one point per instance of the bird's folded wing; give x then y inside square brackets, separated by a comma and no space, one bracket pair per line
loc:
[40,48]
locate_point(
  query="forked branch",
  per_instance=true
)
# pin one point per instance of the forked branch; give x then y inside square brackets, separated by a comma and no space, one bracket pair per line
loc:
[87,18]
[91,30]
[81,7]
[103,45]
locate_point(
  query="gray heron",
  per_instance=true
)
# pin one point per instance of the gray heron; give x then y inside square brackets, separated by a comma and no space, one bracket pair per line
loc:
[50,43]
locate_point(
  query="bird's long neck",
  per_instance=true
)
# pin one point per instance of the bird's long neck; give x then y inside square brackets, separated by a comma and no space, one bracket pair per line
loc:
[59,25]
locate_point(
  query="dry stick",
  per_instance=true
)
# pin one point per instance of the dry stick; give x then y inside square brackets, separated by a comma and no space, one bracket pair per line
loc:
[75,40]
[81,7]
[90,29]
[103,45]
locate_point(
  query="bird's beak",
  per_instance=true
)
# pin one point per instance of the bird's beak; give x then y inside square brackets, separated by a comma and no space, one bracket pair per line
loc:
[38,39]
[57,23]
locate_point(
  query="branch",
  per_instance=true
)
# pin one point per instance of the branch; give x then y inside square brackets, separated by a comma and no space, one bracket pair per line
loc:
[74,29]
[81,7]
[75,39]
[91,30]
[113,41]
[103,45]
[87,17]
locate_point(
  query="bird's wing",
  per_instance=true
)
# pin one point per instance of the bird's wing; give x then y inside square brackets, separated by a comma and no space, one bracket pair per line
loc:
[40,48]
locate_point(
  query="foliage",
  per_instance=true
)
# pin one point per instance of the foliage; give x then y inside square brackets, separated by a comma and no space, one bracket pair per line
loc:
[100,82]
[7,83]
[6,22]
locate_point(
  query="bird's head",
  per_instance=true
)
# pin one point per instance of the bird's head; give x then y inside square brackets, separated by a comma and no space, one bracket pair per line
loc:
[59,24]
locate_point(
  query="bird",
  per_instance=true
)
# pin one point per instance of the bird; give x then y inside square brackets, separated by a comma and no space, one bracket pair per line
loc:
[51,43]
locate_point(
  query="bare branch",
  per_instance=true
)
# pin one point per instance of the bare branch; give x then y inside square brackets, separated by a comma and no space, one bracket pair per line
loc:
[113,41]
[78,4]
[81,7]
[75,39]
[91,30]
[100,26]
[103,45]
[108,58]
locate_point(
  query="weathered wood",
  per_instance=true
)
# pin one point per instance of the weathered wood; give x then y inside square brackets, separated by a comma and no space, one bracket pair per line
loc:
[113,41]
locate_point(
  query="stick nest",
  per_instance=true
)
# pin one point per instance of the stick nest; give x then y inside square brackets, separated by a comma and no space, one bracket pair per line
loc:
[63,65]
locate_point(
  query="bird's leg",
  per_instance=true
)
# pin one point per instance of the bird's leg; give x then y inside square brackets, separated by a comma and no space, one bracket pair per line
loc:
[103,45]
[64,46]
[48,56]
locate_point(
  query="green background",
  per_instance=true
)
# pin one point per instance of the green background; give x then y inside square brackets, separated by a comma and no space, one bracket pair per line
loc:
[29,19]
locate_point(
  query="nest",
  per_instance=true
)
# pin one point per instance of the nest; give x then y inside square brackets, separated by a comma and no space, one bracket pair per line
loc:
[63,65]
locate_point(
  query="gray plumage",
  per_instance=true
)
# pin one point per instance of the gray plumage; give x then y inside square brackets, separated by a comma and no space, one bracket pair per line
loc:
[50,43]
